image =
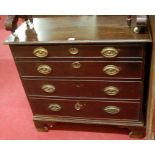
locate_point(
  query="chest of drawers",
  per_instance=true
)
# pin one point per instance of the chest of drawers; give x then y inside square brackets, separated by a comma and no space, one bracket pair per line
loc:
[83,69]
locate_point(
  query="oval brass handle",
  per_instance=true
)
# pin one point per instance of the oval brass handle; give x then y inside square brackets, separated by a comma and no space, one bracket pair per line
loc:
[73,51]
[109,52]
[54,107]
[44,69]
[112,110]
[78,106]
[76,64]
[40,52]
[111,70]
[48,88]
[111,90]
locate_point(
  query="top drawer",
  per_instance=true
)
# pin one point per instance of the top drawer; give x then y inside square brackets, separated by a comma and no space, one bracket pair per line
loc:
[78,51]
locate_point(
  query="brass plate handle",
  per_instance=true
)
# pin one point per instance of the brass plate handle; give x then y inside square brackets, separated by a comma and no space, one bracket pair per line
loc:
[76,64]
[44,69]
[111,70]
[54,107]
[109,52]
[73,51]
[78,106]
[111,90]
[112,110]
[48,88]
[40,52]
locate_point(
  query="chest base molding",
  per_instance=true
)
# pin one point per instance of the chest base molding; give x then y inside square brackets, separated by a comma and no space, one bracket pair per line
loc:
[46,122]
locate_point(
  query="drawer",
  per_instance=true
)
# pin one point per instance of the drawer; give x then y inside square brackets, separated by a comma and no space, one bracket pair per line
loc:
[75,51]
[77,69]
[84,88]
[86,108]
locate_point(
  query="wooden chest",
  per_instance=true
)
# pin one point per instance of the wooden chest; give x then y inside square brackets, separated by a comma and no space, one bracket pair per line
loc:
[84,69]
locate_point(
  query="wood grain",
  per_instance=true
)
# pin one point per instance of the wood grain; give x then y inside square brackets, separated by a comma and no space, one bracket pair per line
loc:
[89,34]
[84,29]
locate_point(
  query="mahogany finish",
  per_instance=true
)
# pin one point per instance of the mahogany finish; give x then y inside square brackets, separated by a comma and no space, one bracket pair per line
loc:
[77,86]
[85,29]
[88,69]
[90,108]
[126,51]
[128,90]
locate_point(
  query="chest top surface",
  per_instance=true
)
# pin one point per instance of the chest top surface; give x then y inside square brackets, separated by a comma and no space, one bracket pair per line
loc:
[77,29]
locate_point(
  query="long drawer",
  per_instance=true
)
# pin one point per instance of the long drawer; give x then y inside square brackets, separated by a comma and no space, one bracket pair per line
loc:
[87,69]
[86,108]
[131,90]
[74,51]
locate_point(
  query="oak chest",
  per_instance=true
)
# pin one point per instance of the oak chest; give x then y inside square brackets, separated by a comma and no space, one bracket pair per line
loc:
[84,69]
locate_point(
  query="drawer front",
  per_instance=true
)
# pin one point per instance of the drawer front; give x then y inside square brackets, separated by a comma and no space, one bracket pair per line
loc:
[84,88]
[74,51]
[102,69]
[86,108]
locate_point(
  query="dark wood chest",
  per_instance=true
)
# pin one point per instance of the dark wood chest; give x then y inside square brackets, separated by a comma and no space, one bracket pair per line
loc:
[84,69]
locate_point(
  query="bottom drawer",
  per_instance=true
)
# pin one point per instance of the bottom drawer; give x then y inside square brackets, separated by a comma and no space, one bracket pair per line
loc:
[86,108]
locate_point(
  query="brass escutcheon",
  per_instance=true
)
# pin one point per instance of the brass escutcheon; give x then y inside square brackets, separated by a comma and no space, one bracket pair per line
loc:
[111,70]
[112,110]
[111,90]
[78,106]
[44,69]
[109,52]
[54,107]
[48,88]
[76,64]
[73,51]
[40,52]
